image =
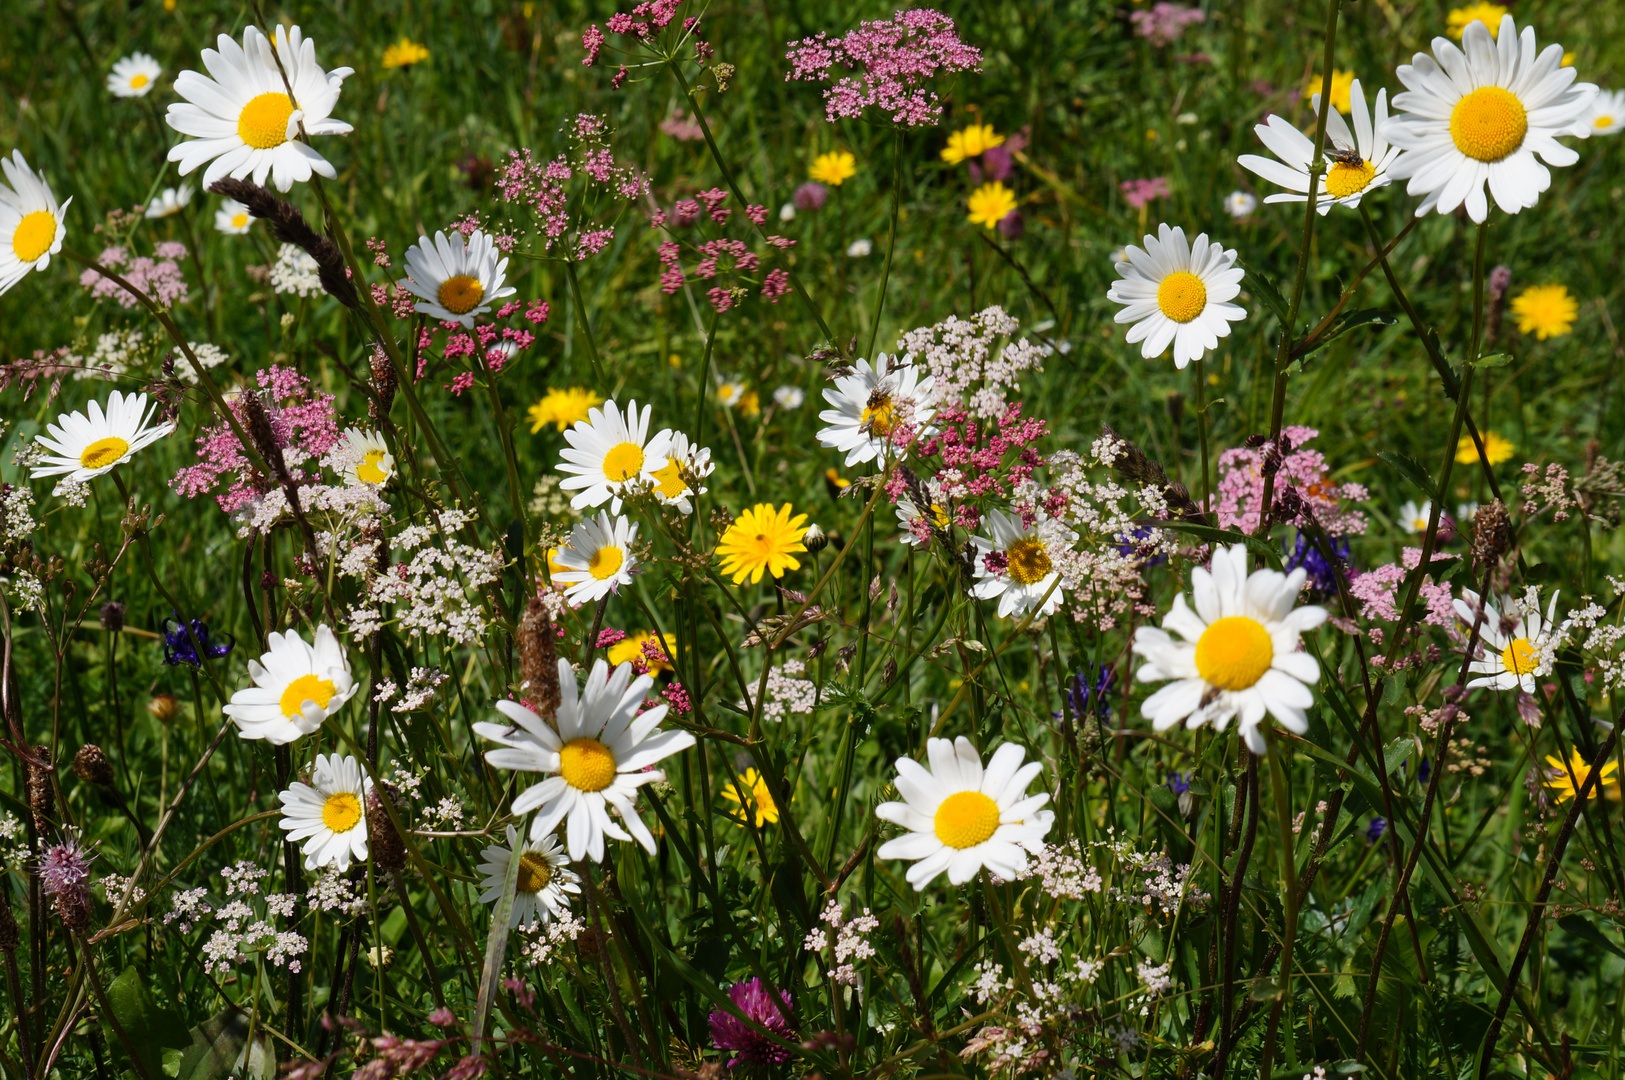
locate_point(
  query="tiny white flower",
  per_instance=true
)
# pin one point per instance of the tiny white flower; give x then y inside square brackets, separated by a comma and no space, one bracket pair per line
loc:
[789,398]
[859,249]
[1413,518]
[232,218]
[1238,204]
[169,202]
[787,212]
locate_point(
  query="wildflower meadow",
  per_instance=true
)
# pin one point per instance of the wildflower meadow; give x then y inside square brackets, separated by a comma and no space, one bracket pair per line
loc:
[684,541]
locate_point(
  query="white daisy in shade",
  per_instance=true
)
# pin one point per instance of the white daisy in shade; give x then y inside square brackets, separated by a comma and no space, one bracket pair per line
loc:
[908,513]
[789,398]
[134,76]
[1605,117]
[1519,646]
[296,687]
[1015,563]
[599,756]
[31,228]
[1177,293]
[683,474]
[329,814]
[242,120]
[456,280]
[873,405]
[169,202]
[598,559]
[1238,204]
[1413,518]
[1347,179]
[544,879]
[232,218]
[1239,657]
[609,452]
[364,458]
[85,446]
[961,818]
[1479,114]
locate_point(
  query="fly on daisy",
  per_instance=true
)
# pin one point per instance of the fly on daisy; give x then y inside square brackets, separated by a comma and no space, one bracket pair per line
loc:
[1237,654]
[1359,158]
[542,892]
[1177,293]
[31,228]
[1517,647]
[1015,564]
[134,76]
[598,559]
[297,686]
[87,444]
[329,814]
[456,280]
[760,540]
[877,410]
[599,755]
[243,122]
[610,452]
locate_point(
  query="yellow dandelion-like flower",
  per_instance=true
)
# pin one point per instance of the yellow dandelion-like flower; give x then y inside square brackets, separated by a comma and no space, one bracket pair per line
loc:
[751,792]
[1497,448]
[631,648]
[405,53]
[973,141]
[834,168]
[1342,86]
[1488,14]
[1547,311]
[991,204]
[1566,779]
[762,539]
[561,408]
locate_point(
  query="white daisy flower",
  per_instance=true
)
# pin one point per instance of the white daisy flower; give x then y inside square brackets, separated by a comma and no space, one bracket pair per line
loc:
[1177,293]
[365,458]
[1606,116]
[597,757]
[1239,656]
[1238,204]
[908,512]
[232,218]
[871,404]
[31,228]
[961,818]
[1345,181]
[1519,646]
[1413,518]
[87,446]
[789,398]
[329,814]
[1480,114]
[242,121]
[598,559]
[296,687]
[682,476]
[169,202]
[1024,566]
[609,453]
[456,280]
[544,879]
[134,76]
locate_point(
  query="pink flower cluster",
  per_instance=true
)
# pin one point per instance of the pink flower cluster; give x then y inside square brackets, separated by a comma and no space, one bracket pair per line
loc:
[304,425]
[498,346]
[978,462]
[720,256]
[895,58]
[1165,22]
[1138,193]
[548,189]
[641,25]
[1240,494]
[159,276]
[1378,590]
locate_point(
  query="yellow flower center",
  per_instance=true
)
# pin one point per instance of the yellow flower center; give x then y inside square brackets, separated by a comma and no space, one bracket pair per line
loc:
[1603,121]
[605,562]
[342,811]
[669,480]
[1182,296]
[1234,652]
[965,819]
[461,294]
[1489,123]
[103,452]
[878,414]
[138,81]
[239,221]
[587,765]
[1028,562]
[534,872]
[1519,657]
[623,462]
[306,688]
[263,123]
[371,469]
[1345,180]
[35,234]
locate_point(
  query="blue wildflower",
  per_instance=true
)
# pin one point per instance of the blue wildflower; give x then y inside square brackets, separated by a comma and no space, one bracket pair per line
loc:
[1322,575]
[1374,831]
[1086,697]
[179,647]
[1177,782]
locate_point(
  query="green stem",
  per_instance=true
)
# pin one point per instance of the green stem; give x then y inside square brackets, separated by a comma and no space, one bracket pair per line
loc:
[1201,434]
[891,240]
[1289,897]
[584,322]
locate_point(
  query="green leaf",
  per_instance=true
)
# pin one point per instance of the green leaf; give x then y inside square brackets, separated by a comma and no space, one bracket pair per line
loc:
[220,1047]
[1577,925]
[1411,471]
[1493,360]
[149,1028]
[1266,291]
[1349,320]
[1226,536]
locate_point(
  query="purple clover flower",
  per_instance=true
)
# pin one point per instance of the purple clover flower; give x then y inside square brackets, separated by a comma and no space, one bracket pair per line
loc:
[749,1046]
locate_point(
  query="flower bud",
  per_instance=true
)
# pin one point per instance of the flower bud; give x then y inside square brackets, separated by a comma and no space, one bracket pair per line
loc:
[1492,533]
[41,797]
[538,660]
[113,616]
[387,848]
[815,539]
[90,764]
[163,707]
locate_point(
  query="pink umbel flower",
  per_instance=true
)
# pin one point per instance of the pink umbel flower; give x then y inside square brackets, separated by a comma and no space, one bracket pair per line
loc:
[1165,22]
[1240,493]
[158,276]
[891,60]
[638,30]
[1138,193]
[556,190]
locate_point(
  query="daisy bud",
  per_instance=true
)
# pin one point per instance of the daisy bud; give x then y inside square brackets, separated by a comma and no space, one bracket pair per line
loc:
[90,764]
[815,539]
[1492,533]
[41,799]
[538,660]
[388,850]
[163,707]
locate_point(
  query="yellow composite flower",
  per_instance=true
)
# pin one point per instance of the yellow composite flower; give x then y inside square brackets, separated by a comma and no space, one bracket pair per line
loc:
[973,141]
[1488,14]
[1547,311]
[1566,779]
[991,204]
[405,53]
[1497,448]
[631,648]
[762,539]
[834,168]
[1342,85]
[751,791]
[561,408]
